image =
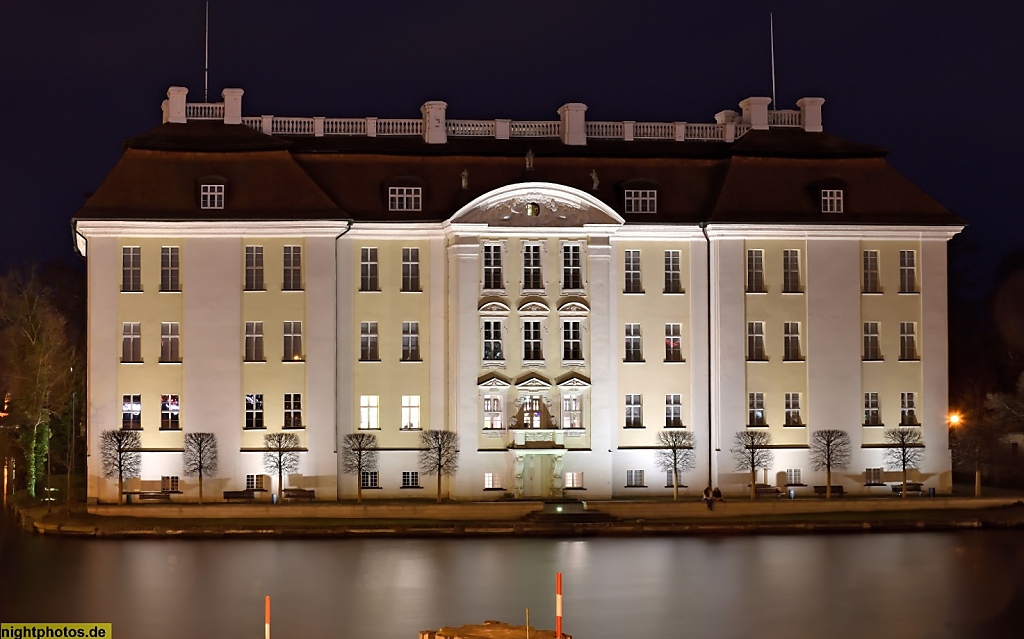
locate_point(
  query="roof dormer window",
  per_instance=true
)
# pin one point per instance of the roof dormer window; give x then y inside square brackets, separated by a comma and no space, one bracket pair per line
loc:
[211,196]
[831,200]
[641,200]
[405,198]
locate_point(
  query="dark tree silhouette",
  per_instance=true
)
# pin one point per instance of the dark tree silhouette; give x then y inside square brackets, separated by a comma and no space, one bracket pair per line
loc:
[830,448]
[359,453]
[904,451]
[751,449]
[200,457]
[281,457]
[675,456]
[440,455]
[120,456]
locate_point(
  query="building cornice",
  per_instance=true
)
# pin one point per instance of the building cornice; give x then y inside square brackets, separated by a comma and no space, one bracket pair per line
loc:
[830,232]
[210,228]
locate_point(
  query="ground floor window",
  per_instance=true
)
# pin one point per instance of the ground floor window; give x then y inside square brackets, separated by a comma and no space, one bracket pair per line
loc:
[410,479]
[793,477]
[634,478]
[254,482]
[368,479]
[574,480]
[169,483]
[492,481]
[873,476]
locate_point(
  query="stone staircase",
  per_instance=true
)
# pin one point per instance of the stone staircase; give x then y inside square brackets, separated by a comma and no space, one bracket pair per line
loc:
[567,511]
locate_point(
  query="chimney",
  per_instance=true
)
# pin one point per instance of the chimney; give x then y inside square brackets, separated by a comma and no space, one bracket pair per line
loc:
[176,105]
[574,123]
[232,105]
[755,112]
[434,131]
[810,112]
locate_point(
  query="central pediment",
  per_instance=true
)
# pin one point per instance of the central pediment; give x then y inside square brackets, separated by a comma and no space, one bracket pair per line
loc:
[536,204]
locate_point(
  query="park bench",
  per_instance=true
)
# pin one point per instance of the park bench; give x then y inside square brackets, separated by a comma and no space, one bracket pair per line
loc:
[247,494]
[837,491]
[912,487]
[299,493]
[766,489]
[154,495]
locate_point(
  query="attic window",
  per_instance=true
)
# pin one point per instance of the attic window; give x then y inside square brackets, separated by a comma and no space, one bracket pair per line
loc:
[831,200]
[405,198]
[211,196]
[641,200]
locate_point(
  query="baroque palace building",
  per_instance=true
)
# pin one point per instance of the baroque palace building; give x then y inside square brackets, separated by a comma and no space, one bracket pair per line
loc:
[555,292]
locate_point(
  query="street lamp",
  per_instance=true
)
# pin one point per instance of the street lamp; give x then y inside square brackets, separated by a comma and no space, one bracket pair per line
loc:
[956,420]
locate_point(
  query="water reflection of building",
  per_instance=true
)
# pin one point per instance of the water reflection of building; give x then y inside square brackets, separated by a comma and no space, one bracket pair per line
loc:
[555,292]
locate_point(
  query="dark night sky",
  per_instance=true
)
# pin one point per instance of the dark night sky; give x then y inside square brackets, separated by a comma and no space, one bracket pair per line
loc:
[939,83]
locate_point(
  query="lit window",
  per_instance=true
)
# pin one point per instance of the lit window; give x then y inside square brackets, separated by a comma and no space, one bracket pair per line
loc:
[755,342]
[493,280]
[532,276]
[368,479]
[673,273]
[872,350]
[793,477]
[254,411]
[368,342]
[293,410]
[532,341]
[873,476]
[634,345]
[170,268]
[410,412]
[572,411]
[131,342]
[170,342]
[635,479]
[368,280]
[755,271]
[790,271]
[131,269]
[673,343]
[572,341]
[292,269]
[493,416]
[791,342]
[254,482]
[131,412]
[908,341]
[169,484]
[634,411]
[410,341]
[254,268]
[793,417]
[211,196]
[908,272]
[170,409]
[831,201]
[641,201]
[572,267]
[871,281]
[493,351]
[574,480]
[405,198]
[293,341]
[410,270]
[755,410]
[369,412]
[410,479]
[531,406]
[872,416]
[632,272]
[492,481]
[254,342]
[908,409]
[673,411]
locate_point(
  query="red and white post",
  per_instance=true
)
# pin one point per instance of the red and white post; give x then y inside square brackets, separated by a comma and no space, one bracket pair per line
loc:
[558,605]
[266,622]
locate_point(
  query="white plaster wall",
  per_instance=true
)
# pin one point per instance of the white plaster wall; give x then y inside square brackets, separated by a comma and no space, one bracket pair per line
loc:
[463,348]
[345,278]
[728,340]
[319,464]
[103,411]
[700,380]
[604,391]
[934,348]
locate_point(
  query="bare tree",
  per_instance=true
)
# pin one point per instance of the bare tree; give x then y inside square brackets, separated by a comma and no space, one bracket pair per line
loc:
[359,453]
[904,451]
[120,456]
[675,456]
[751,449]
[281,457]
[440,455]
[200,457]
[830,448]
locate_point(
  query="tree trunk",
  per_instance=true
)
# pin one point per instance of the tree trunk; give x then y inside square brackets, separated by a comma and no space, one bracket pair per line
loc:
[280,483]
[977,481]
[904,493]
[675,484]
[200,487]
[828,482]
[753,483]
[120,488]
[439,486]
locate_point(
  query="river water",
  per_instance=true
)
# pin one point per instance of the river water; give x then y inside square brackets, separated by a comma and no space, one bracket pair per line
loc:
[863,586]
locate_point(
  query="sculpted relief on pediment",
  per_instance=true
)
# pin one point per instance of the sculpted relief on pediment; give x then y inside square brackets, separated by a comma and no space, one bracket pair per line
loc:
[536,205]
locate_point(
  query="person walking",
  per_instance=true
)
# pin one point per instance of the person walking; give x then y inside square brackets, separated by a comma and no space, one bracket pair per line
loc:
[708,499]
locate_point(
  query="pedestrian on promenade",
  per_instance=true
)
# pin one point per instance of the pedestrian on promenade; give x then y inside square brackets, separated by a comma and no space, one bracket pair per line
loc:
[708,499]
[716,494]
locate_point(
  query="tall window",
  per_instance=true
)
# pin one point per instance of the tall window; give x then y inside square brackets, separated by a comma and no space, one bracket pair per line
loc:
[368,280]
[131,412]
[292,268]
[634,411]
[908,272]
[873,476]
[790,271]
[368,342]
[369,479]
[793,417]
[572,267]
[573,480]
[411,270]
[634,347]
[831,201]
[755,270]
[872,416]
[908,340]
[170,342]
[572,411]
[641,201]
[673,273]
[793,477]
[254,482]
[493,351]
[254,268]
[405,198]
[532,412]
[254,411]
[634,479]
[131,342]
[369,412]
[131,269]
[673,342]
[410,479]
[871,281]
[293,410]
[254,342]
[632,271]
[673,411]
[532,280]
[293,341]
[493,280]
[493,415]
[791,342]
[169,411]
[872,350]
[755,342]
[572,341]
[908,410]
[211,196]
[169,483]
[170,268]
[532,341]
[410,412]
[492,481]
[755,410]
[410,341]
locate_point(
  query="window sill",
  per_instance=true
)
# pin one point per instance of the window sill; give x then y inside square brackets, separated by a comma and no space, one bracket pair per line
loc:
[370,361]
[909,293]
[293,428]
[374,428]
[873,425]
[254,428]
[680,292]
[876,484]
[254,290]
[495,489]
[131,361]
[675,361]
[634,361]
[538,292]
[794,425]
[918,425]
[410,430]
[369,290]
[757,292]
[410,361]
[404,290]
[758,361]
[880,359]
[795,485]
[493,292]
[169,428]
[493,363]
[792,292]
[633,427]
[573,362]
[412,487]
[293,290]
[132,428]
[168,361]
[797,360]
[132,291]
[370,487]
[680,486]
[177,290]
[757,426]
[632,292]
[254,361]
[533,363]
[574,488]
[574,292]
[628,486]
[292,360]
[871,292]
[910,359]
[491,430]
[682,426]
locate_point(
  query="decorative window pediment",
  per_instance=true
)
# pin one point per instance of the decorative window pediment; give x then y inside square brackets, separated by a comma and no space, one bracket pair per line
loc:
[574,380]
[533,204]
[493,381]
[534,308]
[573,309]
[532,382]
[494,308]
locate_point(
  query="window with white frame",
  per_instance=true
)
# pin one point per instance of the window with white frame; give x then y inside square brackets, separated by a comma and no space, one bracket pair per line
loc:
[793,477]
[410,412]
[755,342]
[368,273]
[673,411]
[872,416]
[533,279]
[572,341]
[634,345]
[369,479]
[532,412]
[292,280]
[670,479]
[908,409]
[635,479]
[871,283]
[872,348]
[131,412]
[131,342]
[755,410]
[831,200]
[211,196]
[908,341]
[254,268]
[410,341]
[873,476]
[493,350]
[793,417]
[369,412]
[293,341]
[254,411]
[131,269]
[492,481]
[634,411]
[633,283]
[255,482]
[532,341]
[293,410]
[405,198]
[411,270]
[410,479]
[574,480]
[908,272]
[790,271]
[641,200]
[170,409]
[169,484]
[673,342]
[493,414]
[673,272]
[791,342]
[368,351]
[170,342]
[572,411]
[170,268]
[254,342]
[493,279]
[572,266]
[755,270]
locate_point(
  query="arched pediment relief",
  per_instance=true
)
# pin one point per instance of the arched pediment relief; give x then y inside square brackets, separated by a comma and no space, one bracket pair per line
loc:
[494,308]
[493,380]
[573,380]
[534,308]
[573,308]
[536,204]
[532,382]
